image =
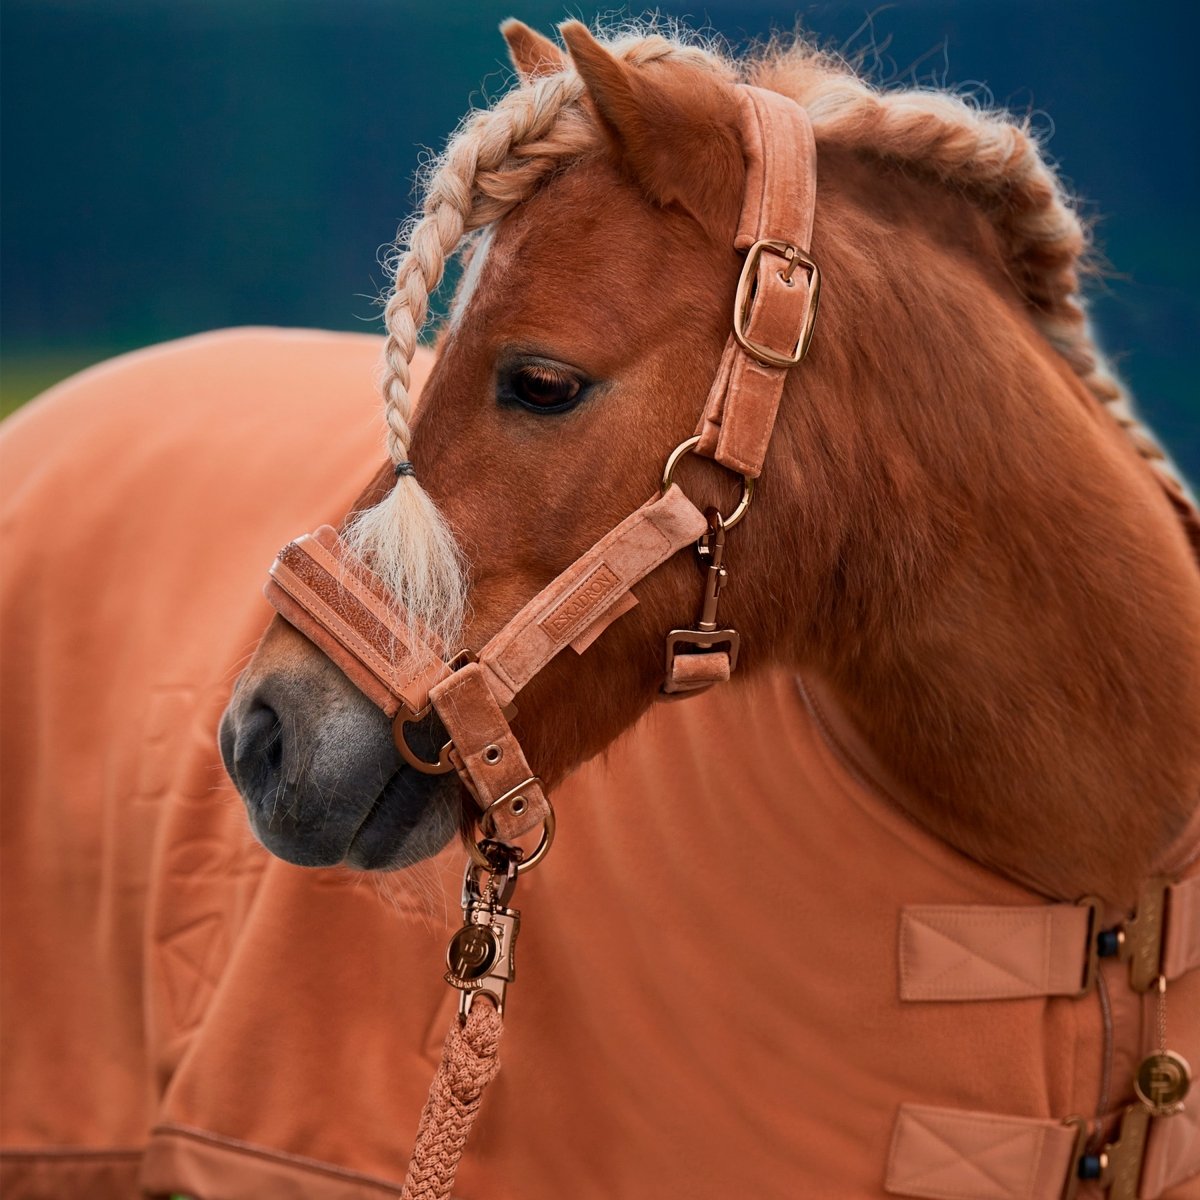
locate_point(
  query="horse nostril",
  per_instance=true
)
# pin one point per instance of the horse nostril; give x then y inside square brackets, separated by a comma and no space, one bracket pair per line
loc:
[258,754]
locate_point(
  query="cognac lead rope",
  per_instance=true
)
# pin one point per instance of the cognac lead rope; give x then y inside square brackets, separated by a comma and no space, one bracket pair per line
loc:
[480,963]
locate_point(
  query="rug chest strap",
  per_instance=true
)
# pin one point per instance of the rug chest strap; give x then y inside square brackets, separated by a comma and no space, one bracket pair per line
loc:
[981,952]
[950,1154]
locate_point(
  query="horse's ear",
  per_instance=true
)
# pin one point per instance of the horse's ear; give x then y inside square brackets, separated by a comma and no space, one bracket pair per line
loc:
[676,131]
[532,54]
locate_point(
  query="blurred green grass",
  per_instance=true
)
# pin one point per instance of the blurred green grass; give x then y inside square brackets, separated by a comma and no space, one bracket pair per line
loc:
[27,374]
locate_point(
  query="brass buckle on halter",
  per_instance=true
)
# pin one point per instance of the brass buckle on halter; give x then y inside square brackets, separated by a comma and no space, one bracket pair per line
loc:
[744,301]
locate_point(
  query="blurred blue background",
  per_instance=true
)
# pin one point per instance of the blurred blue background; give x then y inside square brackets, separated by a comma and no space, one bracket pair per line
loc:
[177,165]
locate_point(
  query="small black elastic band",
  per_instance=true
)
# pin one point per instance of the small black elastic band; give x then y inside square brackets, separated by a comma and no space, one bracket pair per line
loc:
[405,468]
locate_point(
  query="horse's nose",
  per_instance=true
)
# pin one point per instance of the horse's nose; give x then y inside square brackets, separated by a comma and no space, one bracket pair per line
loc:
[255,755]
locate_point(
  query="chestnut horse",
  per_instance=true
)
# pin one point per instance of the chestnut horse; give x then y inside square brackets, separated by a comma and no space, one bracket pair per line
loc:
[961,541]
[952,531]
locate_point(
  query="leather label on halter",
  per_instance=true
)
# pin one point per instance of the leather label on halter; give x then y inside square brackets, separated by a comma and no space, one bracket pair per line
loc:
[577,608]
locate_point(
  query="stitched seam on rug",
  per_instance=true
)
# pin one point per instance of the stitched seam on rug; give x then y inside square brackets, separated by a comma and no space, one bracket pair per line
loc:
[282,1156]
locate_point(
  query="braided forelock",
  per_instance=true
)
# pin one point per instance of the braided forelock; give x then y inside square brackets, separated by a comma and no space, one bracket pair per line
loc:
[496,160]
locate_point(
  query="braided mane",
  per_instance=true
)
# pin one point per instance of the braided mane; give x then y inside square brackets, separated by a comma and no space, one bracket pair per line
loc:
[501,155]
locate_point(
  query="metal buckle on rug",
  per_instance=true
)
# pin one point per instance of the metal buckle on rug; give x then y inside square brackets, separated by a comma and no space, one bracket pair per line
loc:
[793,257]
[444,763]
[1138,941]
[1117,1167]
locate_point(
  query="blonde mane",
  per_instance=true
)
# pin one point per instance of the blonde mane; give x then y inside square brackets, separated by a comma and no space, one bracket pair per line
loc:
[500,156]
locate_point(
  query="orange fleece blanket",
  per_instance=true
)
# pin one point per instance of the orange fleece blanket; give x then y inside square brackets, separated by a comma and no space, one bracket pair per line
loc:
[707,1000]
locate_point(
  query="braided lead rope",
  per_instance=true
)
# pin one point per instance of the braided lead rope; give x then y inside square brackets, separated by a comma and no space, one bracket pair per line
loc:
[469,1063]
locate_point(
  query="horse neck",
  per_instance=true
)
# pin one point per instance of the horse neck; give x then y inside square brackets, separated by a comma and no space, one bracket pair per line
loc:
[990,580]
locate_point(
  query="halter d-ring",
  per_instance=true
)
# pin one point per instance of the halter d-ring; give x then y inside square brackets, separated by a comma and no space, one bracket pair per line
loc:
[686,447]
[487,818]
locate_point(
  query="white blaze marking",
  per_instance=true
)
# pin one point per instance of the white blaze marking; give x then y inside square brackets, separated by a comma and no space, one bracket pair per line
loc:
[470,280]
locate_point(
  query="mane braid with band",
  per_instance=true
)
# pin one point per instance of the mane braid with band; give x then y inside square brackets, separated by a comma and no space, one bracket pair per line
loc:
[501,155]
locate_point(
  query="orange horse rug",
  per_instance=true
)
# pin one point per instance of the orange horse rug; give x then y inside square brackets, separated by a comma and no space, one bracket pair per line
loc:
[729,972]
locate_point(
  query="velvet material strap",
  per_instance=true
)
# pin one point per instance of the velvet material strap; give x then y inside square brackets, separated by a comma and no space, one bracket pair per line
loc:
[590,593]
[487,756]
[690,673]
[325,592]
[780,196]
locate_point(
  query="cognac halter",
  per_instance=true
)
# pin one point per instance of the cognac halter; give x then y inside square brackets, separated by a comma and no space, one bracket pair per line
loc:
[336,602]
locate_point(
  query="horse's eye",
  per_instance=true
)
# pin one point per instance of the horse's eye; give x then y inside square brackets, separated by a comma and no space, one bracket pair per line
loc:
[543,387]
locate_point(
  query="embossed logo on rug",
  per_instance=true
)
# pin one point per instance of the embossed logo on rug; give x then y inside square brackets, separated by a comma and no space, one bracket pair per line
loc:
[575,611]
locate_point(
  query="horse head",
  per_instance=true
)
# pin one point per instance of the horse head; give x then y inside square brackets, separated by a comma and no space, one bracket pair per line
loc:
[906,498]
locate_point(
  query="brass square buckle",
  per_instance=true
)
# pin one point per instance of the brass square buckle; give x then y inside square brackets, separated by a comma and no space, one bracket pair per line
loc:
[743,301]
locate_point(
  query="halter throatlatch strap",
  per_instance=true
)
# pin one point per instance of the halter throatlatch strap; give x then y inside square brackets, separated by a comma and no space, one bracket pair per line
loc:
[777,295]
[469,1063]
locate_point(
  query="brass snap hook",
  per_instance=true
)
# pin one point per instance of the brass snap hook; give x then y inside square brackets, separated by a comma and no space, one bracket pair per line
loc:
[479,851]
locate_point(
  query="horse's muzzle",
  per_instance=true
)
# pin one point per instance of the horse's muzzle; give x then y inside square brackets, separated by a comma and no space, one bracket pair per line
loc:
[324,784]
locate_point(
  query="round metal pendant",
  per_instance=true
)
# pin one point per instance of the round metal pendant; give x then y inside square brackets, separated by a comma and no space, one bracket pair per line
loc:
[472,952]
[1162,1082]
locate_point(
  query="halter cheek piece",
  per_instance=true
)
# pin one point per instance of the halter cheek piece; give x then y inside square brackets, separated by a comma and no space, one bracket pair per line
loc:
[332,598]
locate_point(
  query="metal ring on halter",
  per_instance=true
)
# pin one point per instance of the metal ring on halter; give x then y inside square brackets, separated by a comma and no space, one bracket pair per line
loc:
[525,864]
[686,447]
[443,764]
